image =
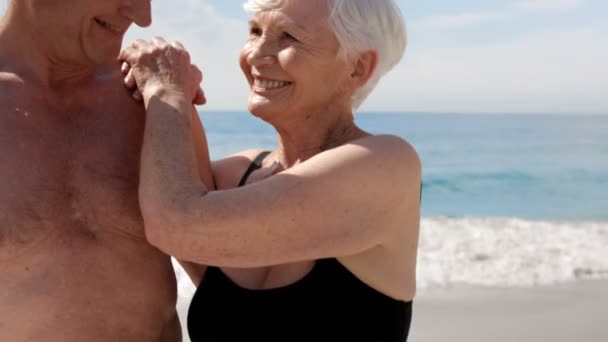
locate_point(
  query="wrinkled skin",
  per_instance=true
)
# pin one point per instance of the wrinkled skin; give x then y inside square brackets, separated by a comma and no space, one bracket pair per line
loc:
[74,261]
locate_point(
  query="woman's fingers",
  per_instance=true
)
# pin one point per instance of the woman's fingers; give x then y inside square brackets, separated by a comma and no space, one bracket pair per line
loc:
[133,53]
[197,73]
[199,98]
[154,63]
[129,80]
[130,55]
[159,41]
[125,68]
[178,45]
[139,43]
[137,96]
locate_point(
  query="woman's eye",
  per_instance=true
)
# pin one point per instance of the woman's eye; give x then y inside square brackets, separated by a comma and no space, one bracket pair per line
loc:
[289,36]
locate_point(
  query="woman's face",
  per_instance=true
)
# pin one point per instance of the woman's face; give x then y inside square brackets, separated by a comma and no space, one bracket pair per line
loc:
[290,61]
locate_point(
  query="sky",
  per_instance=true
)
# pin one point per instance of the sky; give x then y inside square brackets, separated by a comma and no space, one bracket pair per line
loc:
[463,56]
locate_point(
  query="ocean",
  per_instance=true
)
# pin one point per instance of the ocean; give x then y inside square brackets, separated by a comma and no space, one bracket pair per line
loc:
[507,200]
[529,167]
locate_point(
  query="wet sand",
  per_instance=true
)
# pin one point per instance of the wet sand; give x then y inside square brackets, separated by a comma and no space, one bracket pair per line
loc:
[570,312]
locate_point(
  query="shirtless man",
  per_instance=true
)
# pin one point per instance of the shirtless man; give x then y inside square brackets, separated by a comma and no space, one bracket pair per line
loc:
[74,262]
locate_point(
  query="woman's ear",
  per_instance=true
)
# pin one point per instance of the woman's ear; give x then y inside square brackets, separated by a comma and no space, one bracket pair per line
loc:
[364,67]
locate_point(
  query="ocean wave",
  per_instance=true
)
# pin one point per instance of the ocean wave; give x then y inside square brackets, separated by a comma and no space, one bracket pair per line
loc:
[490,180]
[471,182]
[510,252]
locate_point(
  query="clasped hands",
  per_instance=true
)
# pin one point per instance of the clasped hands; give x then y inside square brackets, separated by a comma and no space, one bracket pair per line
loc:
[159,68]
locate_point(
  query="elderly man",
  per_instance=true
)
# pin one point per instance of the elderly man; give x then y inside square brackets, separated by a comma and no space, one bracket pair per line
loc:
[74,261]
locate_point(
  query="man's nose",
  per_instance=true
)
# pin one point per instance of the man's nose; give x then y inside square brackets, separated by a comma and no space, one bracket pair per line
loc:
[139,12]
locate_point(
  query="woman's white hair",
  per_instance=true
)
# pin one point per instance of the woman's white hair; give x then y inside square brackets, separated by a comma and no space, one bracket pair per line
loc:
[360,26]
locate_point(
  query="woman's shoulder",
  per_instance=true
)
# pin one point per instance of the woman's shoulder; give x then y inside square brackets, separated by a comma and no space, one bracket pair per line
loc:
[228,171]
[380,163]
[385,150]
[390,145]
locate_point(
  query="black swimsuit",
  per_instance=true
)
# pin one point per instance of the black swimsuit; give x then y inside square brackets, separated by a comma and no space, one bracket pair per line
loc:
[328,304]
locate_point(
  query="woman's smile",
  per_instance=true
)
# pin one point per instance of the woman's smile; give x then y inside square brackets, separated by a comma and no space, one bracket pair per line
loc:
[267,85]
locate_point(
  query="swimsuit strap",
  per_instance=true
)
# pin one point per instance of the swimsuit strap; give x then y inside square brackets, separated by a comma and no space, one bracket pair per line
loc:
[256,164]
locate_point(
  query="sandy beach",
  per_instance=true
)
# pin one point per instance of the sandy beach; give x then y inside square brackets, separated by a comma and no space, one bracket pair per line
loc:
[570,312]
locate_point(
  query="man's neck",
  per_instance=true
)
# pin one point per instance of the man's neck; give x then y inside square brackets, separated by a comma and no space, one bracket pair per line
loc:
[23,54]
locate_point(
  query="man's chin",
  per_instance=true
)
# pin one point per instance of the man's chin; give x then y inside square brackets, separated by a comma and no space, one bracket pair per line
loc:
[102,52]
[104,57]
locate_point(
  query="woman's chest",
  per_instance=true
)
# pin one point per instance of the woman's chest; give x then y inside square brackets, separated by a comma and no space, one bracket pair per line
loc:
[271,277]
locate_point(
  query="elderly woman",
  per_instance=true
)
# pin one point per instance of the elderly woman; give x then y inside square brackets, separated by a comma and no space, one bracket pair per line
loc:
[316,240]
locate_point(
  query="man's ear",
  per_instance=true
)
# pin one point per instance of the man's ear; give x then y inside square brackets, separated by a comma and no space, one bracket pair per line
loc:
[364,67]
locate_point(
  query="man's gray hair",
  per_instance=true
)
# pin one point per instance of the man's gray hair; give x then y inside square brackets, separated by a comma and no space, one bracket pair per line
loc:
[361,25]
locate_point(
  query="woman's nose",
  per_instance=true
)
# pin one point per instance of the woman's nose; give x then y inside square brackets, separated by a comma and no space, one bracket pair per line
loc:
[262,52]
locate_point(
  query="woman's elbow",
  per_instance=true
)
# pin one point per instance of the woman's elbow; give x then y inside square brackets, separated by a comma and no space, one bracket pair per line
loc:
[160,227]
[155,229]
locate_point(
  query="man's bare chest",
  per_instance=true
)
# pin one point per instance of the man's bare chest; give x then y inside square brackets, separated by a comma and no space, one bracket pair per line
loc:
[67,172]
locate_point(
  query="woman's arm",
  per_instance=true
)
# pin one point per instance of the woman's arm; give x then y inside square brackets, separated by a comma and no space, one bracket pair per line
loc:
[340,202]
[196,271]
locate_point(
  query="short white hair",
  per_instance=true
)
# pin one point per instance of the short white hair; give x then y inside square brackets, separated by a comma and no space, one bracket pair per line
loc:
[360,26]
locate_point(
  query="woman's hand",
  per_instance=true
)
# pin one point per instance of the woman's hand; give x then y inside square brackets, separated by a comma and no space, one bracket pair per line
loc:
[157,68]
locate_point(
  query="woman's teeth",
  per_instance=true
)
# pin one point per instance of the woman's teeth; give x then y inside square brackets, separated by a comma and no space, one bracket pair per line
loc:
[266,84]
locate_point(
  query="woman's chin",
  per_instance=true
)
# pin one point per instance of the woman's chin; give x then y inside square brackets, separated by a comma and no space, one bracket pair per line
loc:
[262,108]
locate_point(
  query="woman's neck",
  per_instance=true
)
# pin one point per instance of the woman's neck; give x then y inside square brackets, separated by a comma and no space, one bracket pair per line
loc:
[309,135]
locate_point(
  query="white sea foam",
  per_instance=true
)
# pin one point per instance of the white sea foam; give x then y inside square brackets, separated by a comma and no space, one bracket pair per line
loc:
[508,252]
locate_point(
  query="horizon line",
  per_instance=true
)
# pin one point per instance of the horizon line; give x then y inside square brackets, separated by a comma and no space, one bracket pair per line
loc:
[415,112]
